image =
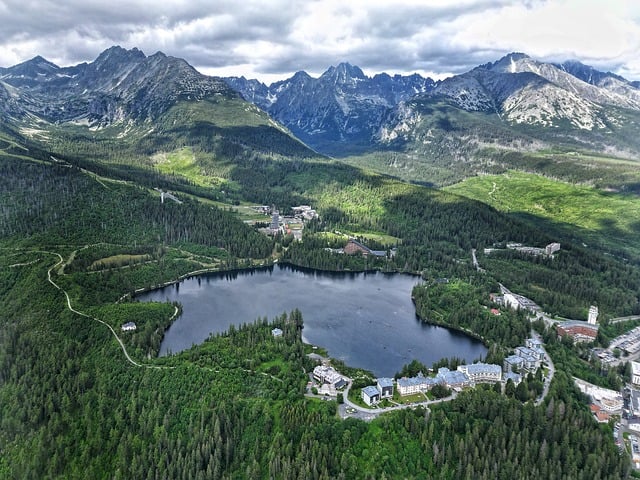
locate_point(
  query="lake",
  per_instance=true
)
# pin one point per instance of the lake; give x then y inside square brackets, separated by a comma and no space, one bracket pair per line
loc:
[366,319]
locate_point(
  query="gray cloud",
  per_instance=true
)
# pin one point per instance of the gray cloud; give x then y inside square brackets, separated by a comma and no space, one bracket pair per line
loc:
[279,37]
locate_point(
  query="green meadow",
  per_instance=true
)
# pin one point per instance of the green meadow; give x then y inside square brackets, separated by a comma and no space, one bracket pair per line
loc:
[608,219]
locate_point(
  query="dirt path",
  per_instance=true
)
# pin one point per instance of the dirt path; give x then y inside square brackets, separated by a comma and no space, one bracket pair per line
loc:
[77,312]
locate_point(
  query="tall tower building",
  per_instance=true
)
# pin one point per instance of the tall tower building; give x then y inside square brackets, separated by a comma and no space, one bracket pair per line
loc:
[593,315]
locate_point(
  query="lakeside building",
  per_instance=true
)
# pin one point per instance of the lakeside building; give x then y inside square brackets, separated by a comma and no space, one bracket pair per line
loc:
[327,374]
[385,387]
[128,327]
[370,395]
[276,332]
[353,246]
[482,372]
[513,362]
[418,384]
[453,378]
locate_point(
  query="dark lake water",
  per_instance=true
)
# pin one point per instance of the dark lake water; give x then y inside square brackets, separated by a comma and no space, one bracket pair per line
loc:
[366,319]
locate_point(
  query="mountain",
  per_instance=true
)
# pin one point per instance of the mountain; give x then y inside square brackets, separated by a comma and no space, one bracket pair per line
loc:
[537,104]
[119,85]
[337,112]
[468,122]
[524,90]
[126,104]
[82,398]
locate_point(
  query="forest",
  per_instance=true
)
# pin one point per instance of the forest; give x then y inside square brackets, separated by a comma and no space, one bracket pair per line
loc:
[73,406]
[233,408]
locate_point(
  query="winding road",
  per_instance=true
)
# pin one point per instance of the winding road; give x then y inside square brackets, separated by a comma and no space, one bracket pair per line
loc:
[77,312]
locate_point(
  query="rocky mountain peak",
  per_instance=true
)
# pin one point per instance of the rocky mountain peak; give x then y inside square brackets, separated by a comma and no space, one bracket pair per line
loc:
[29,73]
[119,85]
[344,73]
[510,63]
[587,73]
[116,56]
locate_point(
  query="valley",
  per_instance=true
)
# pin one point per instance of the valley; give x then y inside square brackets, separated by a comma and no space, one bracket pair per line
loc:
[83,229]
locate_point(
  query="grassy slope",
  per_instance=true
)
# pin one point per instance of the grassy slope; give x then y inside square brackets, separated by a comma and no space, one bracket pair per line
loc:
[122,422]
[608,219]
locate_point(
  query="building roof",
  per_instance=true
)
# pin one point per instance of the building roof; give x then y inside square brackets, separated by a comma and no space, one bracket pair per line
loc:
[482,369]
[514,377]
[405,382]
[454,377]
[635,368]
[513,359]
[385,382]
[276,332]
[577,323]
[419,381]
[370,391]
[635,399]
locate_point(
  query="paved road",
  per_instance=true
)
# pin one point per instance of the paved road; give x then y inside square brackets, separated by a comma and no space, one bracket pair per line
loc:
[371,413]
[624,319]
[552,371]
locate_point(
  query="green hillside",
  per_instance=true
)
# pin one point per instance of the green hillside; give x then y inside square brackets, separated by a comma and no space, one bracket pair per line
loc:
[608,220]
[82,226]
[446,144]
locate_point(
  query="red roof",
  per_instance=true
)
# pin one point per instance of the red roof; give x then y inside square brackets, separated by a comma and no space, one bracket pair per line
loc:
[594,408]
[495,311]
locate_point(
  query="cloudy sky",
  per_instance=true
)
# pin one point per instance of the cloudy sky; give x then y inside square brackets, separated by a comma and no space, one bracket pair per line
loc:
[272,39]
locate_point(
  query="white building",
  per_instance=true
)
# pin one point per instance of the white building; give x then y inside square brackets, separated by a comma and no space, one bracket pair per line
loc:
[409,386]
[610,401]
[129,327]
[482,372]
[552,248]
[276,332]
[635,373]
[513,362]
[593,315]
[634,403]
[370,395]
[326,374]
[511,301]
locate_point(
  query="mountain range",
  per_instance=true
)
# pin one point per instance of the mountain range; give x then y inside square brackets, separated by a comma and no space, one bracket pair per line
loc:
[343,108]
[514,104]
[119,85]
